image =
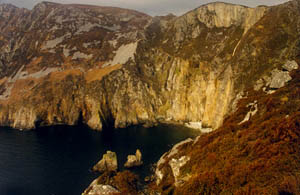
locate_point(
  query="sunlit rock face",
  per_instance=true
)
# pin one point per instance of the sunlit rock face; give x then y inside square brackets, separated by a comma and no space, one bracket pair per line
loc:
[225,15]
[110,66]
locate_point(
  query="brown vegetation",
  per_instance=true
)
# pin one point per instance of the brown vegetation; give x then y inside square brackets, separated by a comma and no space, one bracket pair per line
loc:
[260,156]
[126,182]
[98,74]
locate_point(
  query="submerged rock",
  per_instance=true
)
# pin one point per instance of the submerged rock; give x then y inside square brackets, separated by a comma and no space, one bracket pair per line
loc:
[134,160]
[107,163]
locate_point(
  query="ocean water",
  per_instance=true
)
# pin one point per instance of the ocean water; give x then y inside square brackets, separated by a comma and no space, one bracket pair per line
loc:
[57,160]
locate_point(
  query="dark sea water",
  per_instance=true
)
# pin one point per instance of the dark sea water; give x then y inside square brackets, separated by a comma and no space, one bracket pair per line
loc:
[56,160]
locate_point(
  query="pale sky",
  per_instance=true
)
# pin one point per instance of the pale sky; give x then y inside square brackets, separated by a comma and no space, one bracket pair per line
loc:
[151,7]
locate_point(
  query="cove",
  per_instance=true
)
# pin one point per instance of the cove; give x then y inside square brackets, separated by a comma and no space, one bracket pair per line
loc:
[57,160]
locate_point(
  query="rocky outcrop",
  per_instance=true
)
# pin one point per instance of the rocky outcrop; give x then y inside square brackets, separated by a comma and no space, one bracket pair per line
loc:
[107,163]
[173,159]
[218,15]
[253,110]
[134,160]
[277,78]
[176,165]
[99,189]
[290,65]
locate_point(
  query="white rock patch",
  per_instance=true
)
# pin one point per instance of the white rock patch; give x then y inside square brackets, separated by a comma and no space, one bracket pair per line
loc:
[66,52]
[252,112]
[198,126]
[176,165]
[53,43]
[89,26]
[42,73]
[86,28]
[78,55]
[158,173]
[123,54]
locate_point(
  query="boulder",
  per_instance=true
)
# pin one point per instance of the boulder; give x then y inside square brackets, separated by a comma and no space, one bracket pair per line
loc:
[279,79]
[107,163]
[134,160]
[290,65]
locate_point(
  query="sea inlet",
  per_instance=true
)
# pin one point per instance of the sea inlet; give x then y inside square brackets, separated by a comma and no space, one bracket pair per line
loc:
[57,160]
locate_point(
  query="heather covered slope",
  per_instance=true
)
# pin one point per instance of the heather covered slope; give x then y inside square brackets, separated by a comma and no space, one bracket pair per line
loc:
[260,156]
[256,149]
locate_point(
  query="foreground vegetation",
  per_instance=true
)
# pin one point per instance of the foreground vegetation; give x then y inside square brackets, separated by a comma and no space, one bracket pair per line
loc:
[261,156]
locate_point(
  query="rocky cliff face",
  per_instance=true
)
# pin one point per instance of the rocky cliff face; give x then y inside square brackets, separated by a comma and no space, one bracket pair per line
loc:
[51,54]
[110,66]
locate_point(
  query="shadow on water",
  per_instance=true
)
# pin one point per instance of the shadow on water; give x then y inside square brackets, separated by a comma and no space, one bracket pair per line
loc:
[56,160]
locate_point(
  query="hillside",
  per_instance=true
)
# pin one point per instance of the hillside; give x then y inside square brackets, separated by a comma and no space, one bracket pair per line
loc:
[51,53]
[259,156]
[228,67]
[191,68]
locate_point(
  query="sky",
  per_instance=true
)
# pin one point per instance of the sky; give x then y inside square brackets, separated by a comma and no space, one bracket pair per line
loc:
[151,7]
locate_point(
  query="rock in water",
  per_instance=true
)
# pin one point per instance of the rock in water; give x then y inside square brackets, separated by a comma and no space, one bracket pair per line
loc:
[138,155]
[107,163]
[134,160]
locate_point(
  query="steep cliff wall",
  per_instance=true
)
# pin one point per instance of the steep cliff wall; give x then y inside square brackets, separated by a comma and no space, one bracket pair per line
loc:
[72,62]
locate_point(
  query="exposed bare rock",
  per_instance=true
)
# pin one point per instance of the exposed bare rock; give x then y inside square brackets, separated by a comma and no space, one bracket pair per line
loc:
[160,167]
[290,65]
[279,79]
[134,160]
[99,189]
[198,126]
[107,163]
[225,15]
[176,165]
[253,110]
[218,15]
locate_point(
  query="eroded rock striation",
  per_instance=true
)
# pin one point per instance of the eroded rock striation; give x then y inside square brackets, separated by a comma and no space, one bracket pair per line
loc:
[61,64]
